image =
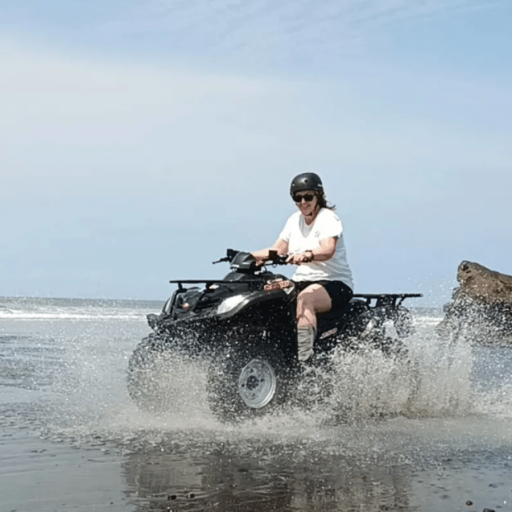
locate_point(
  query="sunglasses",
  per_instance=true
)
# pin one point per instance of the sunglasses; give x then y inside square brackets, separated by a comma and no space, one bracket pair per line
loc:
[306,197]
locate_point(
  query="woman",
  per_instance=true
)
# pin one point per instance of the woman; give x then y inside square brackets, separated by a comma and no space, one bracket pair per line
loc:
[313,239]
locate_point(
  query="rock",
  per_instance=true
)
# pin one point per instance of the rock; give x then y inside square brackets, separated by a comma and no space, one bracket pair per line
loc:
[481,309]
[484,285]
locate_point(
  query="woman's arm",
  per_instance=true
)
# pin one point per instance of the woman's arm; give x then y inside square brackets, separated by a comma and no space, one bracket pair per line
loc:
[280,246]
[325,252]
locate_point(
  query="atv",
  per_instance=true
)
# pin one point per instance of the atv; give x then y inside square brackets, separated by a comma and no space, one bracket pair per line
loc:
[244,327]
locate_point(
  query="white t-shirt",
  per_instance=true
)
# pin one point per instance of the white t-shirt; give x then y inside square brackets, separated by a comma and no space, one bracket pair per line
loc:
[301,238]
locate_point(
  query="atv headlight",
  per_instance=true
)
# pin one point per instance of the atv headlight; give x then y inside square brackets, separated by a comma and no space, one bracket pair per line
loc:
[230,303]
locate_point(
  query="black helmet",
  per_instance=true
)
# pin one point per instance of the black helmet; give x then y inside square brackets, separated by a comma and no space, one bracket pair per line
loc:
[306,181]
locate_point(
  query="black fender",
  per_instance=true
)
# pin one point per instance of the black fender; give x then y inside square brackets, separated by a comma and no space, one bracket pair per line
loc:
[252,299]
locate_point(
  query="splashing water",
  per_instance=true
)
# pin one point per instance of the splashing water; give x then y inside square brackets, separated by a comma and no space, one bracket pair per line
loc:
[434,381]
[83,392]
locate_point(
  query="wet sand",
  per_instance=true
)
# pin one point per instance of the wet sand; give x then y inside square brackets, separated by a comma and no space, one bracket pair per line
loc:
[41,475]
[71,439]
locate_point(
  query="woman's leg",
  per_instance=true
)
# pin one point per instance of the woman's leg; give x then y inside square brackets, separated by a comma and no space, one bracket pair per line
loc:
[310,301]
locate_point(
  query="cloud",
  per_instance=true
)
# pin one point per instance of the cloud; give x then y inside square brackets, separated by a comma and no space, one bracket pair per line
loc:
[112,122]
[95,117]
[257,34]
[263,27]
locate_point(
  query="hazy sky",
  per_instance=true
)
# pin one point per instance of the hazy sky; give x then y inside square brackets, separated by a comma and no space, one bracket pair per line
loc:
[140,139]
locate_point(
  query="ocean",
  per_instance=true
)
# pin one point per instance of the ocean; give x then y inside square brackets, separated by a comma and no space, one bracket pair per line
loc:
[433,436]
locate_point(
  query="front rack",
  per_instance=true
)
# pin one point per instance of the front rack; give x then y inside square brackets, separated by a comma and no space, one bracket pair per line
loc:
[208,282]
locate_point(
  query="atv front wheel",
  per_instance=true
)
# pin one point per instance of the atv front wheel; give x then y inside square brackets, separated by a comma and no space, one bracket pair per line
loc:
[257,383]
[245,382]
[148,375]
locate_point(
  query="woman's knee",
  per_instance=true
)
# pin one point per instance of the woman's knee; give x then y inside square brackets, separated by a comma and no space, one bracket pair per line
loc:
[305,296]
[305,301]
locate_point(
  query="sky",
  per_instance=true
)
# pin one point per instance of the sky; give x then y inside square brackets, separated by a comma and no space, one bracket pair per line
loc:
[139,139]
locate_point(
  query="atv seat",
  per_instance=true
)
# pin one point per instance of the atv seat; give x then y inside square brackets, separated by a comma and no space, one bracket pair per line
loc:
[353,306]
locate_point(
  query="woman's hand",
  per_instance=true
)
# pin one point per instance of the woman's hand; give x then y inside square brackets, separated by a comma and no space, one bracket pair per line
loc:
[325,252]
[263,254]
[260,258]
[299,259]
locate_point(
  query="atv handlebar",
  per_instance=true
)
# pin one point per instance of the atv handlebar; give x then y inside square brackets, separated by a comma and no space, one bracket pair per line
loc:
[231,253]
[273,257]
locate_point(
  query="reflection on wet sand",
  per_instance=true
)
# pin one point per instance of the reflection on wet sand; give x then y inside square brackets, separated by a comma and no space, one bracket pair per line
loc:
[223,480]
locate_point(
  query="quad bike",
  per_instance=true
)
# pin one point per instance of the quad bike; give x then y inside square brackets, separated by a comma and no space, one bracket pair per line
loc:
[244,326]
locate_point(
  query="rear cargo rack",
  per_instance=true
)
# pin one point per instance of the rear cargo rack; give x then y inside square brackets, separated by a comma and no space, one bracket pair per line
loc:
[386,299]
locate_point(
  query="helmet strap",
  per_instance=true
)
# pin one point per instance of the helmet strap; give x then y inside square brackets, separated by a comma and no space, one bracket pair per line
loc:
[315,210]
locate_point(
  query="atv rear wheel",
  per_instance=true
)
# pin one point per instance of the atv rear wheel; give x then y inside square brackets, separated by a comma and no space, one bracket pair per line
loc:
[246,381]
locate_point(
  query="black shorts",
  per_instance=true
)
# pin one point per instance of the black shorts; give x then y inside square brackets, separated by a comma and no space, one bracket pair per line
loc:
[339,292]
